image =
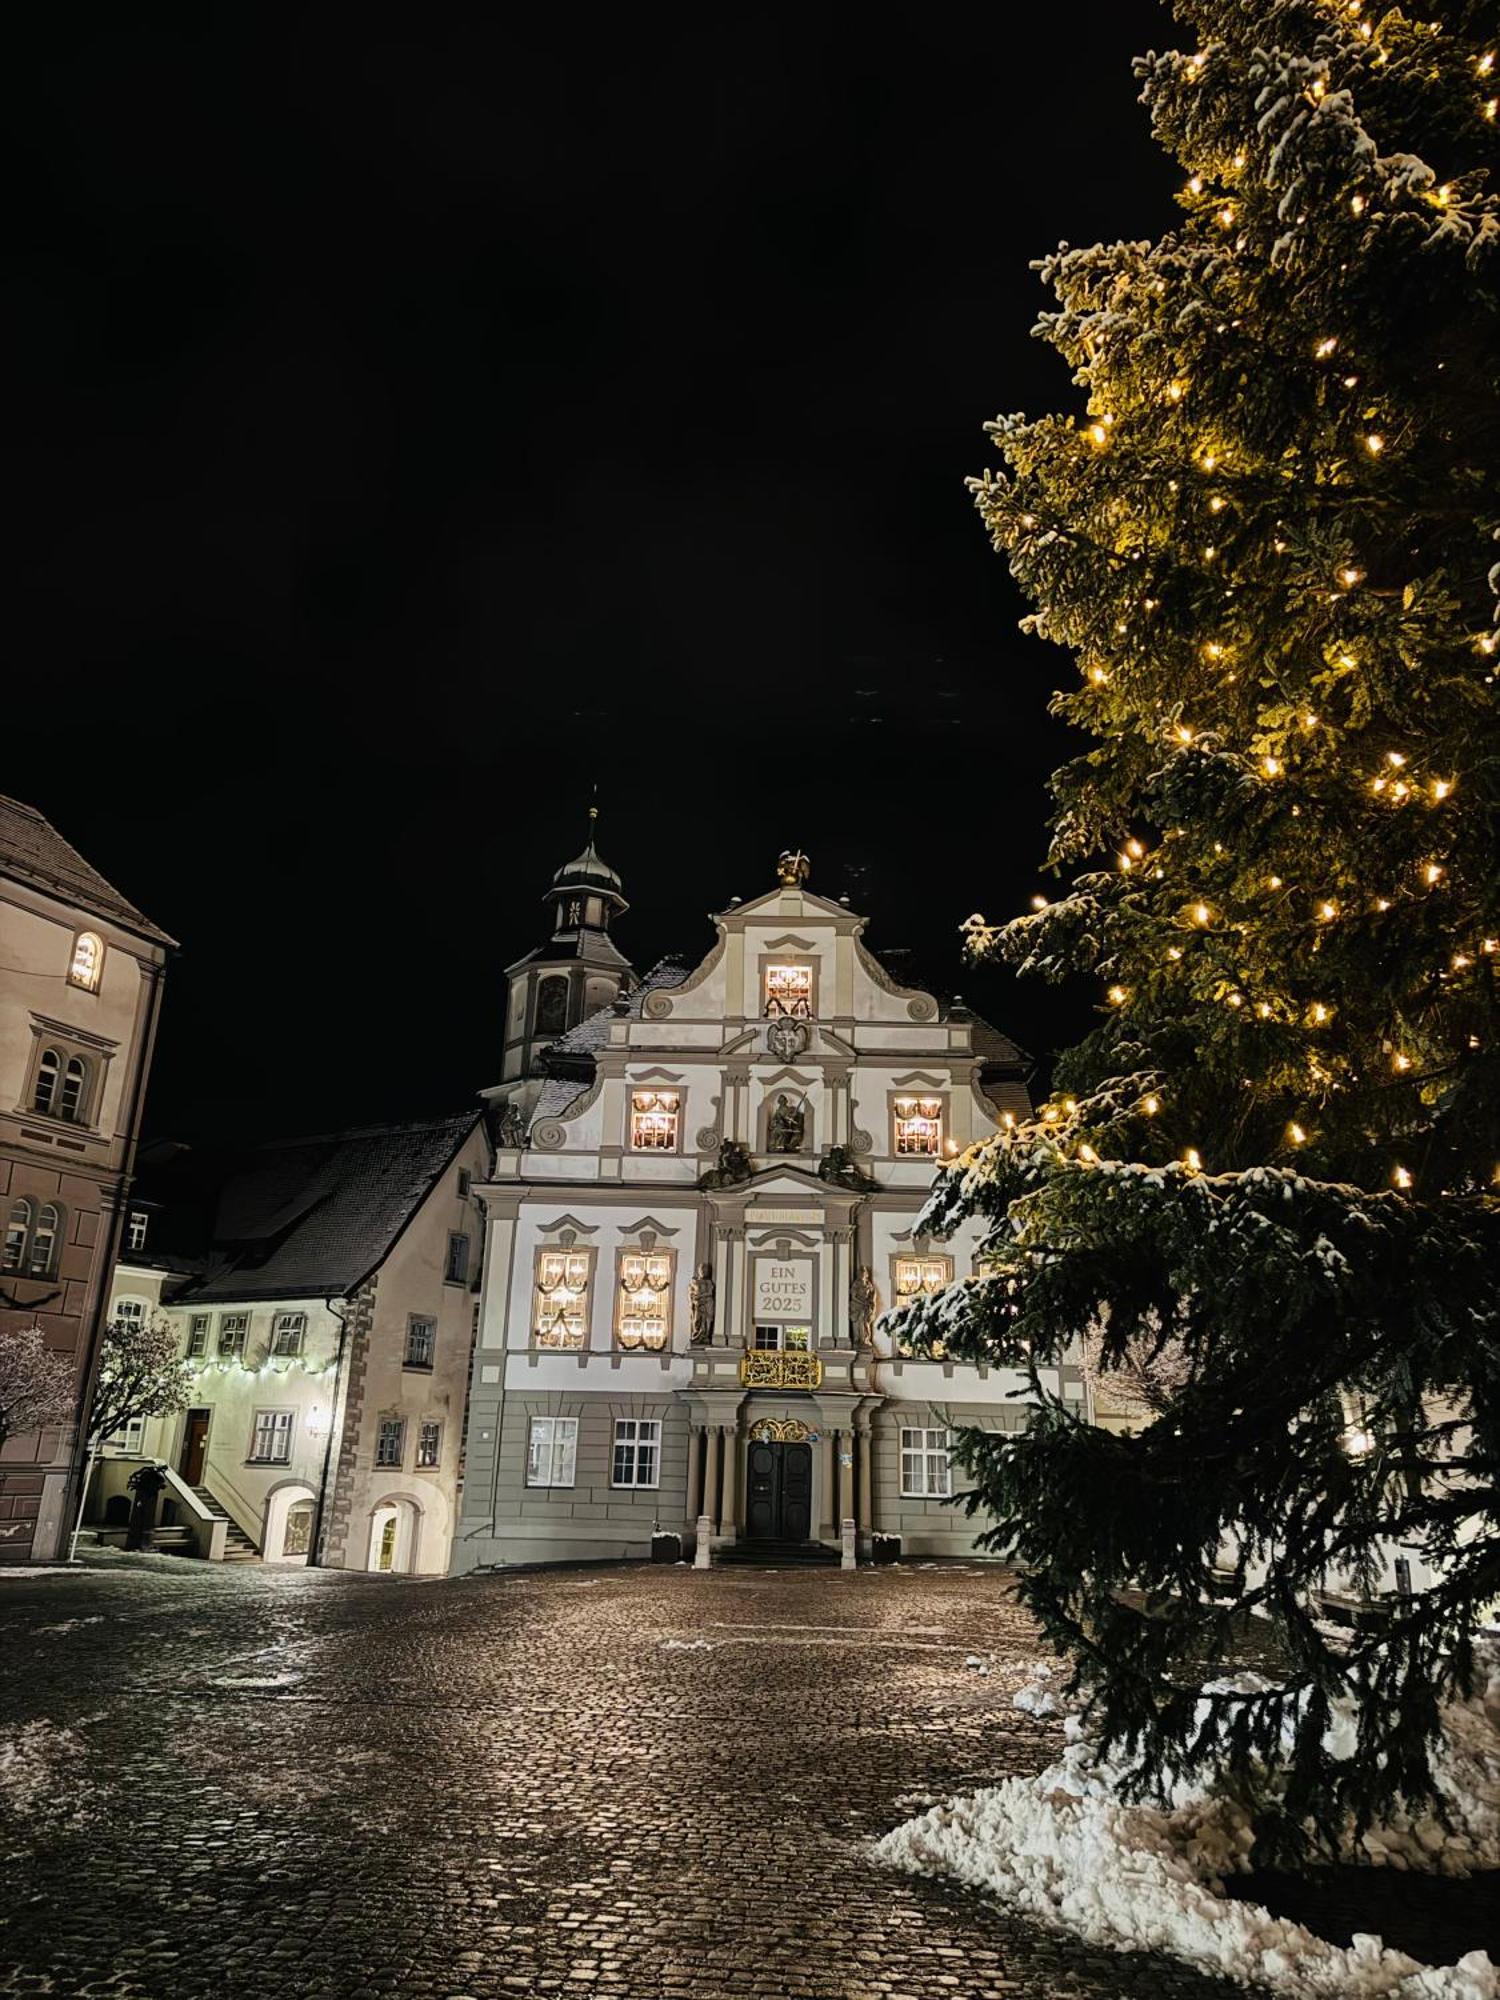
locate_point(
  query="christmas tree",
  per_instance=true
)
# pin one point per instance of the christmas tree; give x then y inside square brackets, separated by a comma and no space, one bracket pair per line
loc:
[1265,1186]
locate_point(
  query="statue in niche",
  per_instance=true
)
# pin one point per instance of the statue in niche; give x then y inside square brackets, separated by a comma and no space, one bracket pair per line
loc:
[735,1166]
[786,1125]
[512,1130]
[842,1170]
[701,1306]
[863,1304]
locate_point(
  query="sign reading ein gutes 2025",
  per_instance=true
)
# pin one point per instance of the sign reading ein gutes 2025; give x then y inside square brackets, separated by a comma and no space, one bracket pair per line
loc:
[783,1288]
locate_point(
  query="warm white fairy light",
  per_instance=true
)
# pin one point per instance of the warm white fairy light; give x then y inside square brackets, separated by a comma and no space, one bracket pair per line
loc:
[1326,346]
[1151,1105]
[1402,1177]
[1192,1161]
[1295,1134]
[1118,996]
[1374,443]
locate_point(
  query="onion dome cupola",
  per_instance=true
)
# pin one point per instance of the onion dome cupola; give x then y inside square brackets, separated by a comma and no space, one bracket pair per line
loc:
[578,970]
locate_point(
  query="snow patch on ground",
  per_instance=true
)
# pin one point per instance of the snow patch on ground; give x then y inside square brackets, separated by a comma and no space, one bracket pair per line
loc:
[26,1571]
[687,1645]
[68,1625]
[41,1777]
[255,1680]
[1063,1849]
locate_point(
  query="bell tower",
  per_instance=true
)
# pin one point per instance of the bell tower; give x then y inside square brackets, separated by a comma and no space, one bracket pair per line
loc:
[578,970]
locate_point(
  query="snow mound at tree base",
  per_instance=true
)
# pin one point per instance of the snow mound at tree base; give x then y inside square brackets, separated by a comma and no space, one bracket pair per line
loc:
[1065,1850]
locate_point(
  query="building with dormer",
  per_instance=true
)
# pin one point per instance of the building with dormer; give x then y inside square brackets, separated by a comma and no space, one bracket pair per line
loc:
[701,1204]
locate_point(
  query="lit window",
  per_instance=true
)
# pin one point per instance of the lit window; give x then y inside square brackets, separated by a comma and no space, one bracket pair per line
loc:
[87,962]
[46,1240]
[552,1451]
[197,1340]
[135,1229]
[130,1312]
[653,1121]
[271,1442]
[645,1317]
[925,1465]
[789,990]
[637,1452]
[17,1236]
[232,1330]
[561,1318]
[457,1270]
[390,1440]
[421,1343]
[296,1538]
[429,1445]
[287,1333]
[919,1124]
[919,1277]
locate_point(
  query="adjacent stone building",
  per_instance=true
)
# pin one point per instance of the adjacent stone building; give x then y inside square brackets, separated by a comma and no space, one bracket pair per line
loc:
[329,1323]
[80,991]
[703,1197]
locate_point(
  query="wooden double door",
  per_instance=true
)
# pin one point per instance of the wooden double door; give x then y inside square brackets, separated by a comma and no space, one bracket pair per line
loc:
[778,1492]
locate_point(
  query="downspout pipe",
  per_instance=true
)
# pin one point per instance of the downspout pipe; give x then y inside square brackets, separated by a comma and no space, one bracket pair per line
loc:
[315,1540]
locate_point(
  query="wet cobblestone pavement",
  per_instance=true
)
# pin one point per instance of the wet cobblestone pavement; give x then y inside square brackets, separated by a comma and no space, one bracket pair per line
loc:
[244,1782]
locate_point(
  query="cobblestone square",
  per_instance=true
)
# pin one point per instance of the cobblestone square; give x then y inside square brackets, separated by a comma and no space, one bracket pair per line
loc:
[626,1781]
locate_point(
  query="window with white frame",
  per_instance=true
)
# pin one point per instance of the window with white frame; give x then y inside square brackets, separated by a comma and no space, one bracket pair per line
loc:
[919,1125]
[232,1330]
[421,1342]
[925,1456]
[390,1440]
[560,1317]
[456,1271]
[789,991]
[129,1312]
[86,966]
[287,1334]
[637,1452]
[130,1436]
[135,1230]
[654,1116]
[197,1340]
[552,1451]
[429,1445]
[644,1319]
[271,1439]
[916,1278]
[783,1339]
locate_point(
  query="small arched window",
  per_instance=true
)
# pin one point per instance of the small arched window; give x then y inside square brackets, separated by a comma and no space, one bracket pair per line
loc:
[17,1235]
[87,964]
[74,1093]
[46,1239]
[552,1006]
[48,1078]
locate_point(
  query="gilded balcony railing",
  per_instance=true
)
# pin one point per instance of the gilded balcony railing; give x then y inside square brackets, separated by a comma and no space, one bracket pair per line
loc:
[768,1368]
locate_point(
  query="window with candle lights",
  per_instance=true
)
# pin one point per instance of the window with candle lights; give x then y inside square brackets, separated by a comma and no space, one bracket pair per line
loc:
[643,1319]
[789,990]
[654,1118]
[919,1126]
[916,1278]
[87,963]
[561,1314]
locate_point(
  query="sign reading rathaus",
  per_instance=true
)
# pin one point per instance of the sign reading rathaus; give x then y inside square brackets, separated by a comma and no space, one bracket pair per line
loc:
[704,1196]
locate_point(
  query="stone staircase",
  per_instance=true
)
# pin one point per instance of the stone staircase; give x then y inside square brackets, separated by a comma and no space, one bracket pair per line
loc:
[777,1555]
[238,1547]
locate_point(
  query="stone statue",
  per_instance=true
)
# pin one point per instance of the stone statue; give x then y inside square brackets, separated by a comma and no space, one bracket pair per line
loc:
[701,1305]
[838,1166]
[513,1126]
[735,1166]
[785,1126]
[863,1305]
[792,869]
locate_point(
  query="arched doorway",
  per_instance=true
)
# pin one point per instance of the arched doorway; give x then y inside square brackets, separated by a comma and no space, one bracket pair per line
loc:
[287,1535]
[394,1526]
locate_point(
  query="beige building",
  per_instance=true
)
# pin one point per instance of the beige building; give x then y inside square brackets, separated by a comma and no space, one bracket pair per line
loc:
[703,1199]
[80,991]
[329,1329]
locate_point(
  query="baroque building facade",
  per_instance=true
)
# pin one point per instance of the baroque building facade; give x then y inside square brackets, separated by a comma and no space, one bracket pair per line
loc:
[704,1197]
[81,971]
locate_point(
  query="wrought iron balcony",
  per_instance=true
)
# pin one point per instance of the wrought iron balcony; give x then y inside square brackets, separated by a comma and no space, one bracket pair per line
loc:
[769,1368]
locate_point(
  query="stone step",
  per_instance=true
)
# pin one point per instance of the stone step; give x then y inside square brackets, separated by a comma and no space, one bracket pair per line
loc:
[777,1555]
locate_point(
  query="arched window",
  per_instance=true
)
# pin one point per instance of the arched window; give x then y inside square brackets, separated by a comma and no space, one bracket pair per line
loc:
[75,1085]
[48,1077]
[46,1239]
[87,962]
[552,1006]
[17,1234]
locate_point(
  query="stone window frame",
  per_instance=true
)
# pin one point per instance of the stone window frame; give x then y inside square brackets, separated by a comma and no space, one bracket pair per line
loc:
[899,1298]
[926,1453]
[25,1228]
[409,1356]
[798,955]
[918,1093]
[551,1484]
[389,1425]
[283,1325]
[644,1248]
[634,1447]
[85,977]
[673,1088]
[429,1440]
[276,1431]
[69,1044]
[562,1248]
[450,1275]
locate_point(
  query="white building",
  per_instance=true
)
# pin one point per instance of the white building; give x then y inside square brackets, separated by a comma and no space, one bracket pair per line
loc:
[329,1325]
[698,1209]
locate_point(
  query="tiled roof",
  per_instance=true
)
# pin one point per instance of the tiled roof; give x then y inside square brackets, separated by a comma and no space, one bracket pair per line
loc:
[32,850]
[579,1045]
[314,1217]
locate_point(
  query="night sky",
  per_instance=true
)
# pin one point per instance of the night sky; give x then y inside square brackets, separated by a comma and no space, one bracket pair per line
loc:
[415,433]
